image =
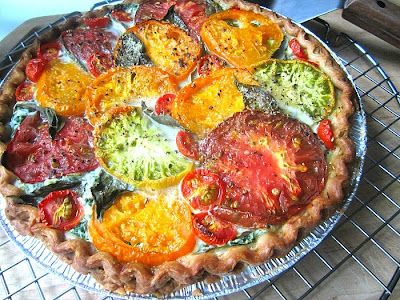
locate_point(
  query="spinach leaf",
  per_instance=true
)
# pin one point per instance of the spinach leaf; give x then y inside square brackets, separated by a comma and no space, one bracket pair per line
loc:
[173,18]
[104,191]
[48,114]
[212,7]
[131,52]
[256,98]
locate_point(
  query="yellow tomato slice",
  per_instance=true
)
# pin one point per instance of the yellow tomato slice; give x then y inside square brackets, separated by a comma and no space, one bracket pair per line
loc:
[209,100]
[124,86]
[148,230]
[61,87]
[243,38]
[168,47]
[136,151]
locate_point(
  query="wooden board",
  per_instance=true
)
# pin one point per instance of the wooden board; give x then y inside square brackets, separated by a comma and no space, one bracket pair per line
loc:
[380,17]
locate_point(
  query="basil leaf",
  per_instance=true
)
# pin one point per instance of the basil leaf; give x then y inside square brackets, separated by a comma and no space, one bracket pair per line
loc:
[256,98]
[105,189]
[160,119]
[131,52]
[212,7]
[173,18]
[48,114]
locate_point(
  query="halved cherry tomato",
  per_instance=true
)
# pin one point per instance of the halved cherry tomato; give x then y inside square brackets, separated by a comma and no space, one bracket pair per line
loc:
[99,63]
[209,63]
[187,145]
[49,51]
[325,133]
[96,22]
[121,16]
[243,38]
[164,104]
[212,230]
[34,69]
[61,210]
[24,91]
[203,189]
[297,49]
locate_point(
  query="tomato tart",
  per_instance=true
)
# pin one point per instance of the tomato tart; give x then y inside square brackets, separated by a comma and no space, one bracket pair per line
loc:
[156,144]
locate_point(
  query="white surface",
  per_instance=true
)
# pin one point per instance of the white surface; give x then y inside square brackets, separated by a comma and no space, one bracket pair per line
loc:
[15,12]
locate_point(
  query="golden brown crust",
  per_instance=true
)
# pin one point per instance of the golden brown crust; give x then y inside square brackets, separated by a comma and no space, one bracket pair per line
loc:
[133,277]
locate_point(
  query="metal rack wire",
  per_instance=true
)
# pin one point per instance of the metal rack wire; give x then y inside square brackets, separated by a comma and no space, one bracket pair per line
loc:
[369,230]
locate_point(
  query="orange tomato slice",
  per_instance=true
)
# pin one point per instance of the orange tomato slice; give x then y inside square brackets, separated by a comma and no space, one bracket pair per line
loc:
[243,38]
[209,100]
[168,47]
[124,86]
[61,87]
[148,230]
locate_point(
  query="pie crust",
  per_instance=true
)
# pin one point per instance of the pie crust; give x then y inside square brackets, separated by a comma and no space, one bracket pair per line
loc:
[169,276]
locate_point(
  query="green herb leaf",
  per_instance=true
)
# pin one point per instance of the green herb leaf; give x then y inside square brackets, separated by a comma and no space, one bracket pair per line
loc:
[256,98]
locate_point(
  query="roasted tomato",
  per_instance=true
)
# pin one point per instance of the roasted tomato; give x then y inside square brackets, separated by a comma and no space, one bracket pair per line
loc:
[209,63]
[203,189]
[272,166]
[24,91]
[164,104]
[121,86]
[209,100]
[61,87]
[153,10]
[192,13]
[325,134]
[144,230]
[243,38]
[212,230]
[35,68]
[84,42]
[49,51]
[99,63]
[187,145]
[96,22]
[297,50]
[121,15]
[61,210]
[34,157]
[169,47]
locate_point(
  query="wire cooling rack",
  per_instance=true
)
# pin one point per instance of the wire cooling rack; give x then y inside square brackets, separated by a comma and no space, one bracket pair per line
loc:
[360,257]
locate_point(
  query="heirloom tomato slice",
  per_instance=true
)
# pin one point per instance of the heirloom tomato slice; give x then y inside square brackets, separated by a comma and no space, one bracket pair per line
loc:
[325,134]
[164,104]
[212,230]
[187,145]
[99,63]
[272,165]
[96,22]
[49,51]
[209,63]
[148,230]
[61,210]
[124,86]
[203,189]
[132,148]
[207,101]
[169,47]
[61,87]
[243,38]
[35,68]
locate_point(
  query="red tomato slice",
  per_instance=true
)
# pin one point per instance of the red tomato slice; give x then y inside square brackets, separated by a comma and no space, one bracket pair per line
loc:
[192,13]
[49,51]
[187,145]
[121,16]
[213,231]
[297,50]
[203,189]
[34,157]
[96,22]
[164,104]
[153,10]
[24,91]
[35,68]
[99,63]
[325,133]
[209,63]
[61,210]
[272,165]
